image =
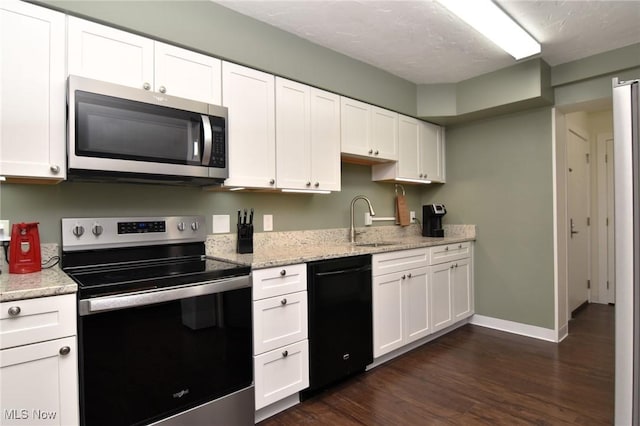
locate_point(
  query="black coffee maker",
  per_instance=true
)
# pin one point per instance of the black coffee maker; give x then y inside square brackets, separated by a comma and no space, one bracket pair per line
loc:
[432,220]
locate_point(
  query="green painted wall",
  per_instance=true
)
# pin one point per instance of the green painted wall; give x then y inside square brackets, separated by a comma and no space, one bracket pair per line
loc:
[499,177]
[47,204]
[221,32]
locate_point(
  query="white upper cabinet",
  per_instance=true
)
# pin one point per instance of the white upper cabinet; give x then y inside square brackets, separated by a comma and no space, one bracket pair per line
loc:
[186,74]
[250,97]
[104,53]
[108,54]
[420,154]
[32,83]
[368,133]
[307,137]
[431,151]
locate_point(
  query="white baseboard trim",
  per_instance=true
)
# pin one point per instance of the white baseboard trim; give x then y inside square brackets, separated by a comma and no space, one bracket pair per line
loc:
[533,331]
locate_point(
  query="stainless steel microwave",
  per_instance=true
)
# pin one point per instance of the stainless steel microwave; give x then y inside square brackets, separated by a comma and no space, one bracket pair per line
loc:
[127,134]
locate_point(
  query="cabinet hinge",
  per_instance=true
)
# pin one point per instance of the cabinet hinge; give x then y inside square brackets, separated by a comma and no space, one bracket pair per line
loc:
[588,283]
[606,158]
[588,221]
[607,284]
[607,221]
[587,158]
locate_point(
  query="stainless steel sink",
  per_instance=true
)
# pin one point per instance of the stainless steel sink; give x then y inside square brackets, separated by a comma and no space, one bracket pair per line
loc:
[376,244]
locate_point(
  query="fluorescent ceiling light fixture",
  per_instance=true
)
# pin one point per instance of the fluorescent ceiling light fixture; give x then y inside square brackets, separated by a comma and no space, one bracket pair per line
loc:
[307,191]
[413,180]
[237,189]
[487,18]
[2,178]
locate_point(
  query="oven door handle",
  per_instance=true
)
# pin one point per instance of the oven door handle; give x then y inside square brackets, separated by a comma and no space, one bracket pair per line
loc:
[131,300]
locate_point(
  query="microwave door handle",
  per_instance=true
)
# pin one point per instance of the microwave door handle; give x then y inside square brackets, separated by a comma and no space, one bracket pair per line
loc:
[208,140]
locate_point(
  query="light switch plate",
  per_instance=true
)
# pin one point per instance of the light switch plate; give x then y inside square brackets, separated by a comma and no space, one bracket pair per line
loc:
[267,222]
[221,224]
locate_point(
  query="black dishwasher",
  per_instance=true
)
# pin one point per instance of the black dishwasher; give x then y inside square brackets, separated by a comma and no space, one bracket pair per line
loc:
[340,320]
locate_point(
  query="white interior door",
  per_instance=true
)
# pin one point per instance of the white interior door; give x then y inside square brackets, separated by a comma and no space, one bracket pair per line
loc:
[605,250]
[578,213]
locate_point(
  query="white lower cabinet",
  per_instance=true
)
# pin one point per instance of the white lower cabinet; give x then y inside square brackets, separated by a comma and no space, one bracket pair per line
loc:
[281,373]
[280,345]
[39,362]
[452,294]
[401,309]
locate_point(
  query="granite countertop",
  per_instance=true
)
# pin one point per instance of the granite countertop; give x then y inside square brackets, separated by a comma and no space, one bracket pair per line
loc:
[48,282]
[270,249]
[286,248]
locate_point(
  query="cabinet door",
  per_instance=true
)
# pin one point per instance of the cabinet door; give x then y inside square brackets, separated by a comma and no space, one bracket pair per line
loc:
[432,152]
[293,135]
[281,373]
[32,83]
[441,309]
[40,385]
[384,134]
[186,74]
[107,54]
[249,95]
[279,321]
[355,127]
[388,327]
[416,307]
[462,289]
[325,140]
[408,153]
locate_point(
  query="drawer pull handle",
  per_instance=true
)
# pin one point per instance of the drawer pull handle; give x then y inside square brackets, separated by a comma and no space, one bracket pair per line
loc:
[285,354]
[283,272]
[283,302]
[65,350]
[409,275]
[14,311]
[404,277]
[451,266]
[446,248]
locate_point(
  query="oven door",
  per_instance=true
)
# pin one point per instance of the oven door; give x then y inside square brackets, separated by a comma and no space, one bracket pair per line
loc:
[117,129]
[143,360]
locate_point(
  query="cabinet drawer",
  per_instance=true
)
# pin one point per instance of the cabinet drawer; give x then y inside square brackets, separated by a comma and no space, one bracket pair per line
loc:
[279,321]
[398,261]
[449,252]
[281,373]
[36,320]
[277,281]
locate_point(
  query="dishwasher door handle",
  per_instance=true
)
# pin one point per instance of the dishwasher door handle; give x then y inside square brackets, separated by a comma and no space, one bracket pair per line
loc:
[344,271]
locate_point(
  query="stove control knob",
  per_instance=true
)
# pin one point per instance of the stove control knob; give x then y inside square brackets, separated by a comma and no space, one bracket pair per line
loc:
[78,230]
[195,226]
[181,226]
[97,230]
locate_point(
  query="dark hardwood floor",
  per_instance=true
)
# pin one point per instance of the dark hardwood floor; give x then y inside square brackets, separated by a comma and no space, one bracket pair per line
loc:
[479,376]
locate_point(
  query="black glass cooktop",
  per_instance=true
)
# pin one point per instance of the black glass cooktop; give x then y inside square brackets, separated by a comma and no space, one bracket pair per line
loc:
[104,280]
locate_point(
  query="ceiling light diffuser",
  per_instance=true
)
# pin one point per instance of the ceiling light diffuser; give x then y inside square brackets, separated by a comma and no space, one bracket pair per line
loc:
[307,191]
[492,22]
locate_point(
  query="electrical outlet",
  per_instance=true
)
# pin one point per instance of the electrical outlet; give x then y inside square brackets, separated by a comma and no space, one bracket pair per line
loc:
[412,216]
[221,224]
[5,228]
[267,222]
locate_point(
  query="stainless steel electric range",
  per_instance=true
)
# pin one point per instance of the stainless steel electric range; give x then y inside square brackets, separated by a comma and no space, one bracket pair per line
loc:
[164,331]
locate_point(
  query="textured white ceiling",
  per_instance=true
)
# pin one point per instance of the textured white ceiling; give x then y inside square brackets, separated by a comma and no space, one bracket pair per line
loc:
[420,41]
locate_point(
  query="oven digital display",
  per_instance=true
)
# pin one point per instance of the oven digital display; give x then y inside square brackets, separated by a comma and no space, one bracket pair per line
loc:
[141,227]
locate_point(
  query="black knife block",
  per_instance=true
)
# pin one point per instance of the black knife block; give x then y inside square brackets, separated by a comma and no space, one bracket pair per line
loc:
[245,238]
